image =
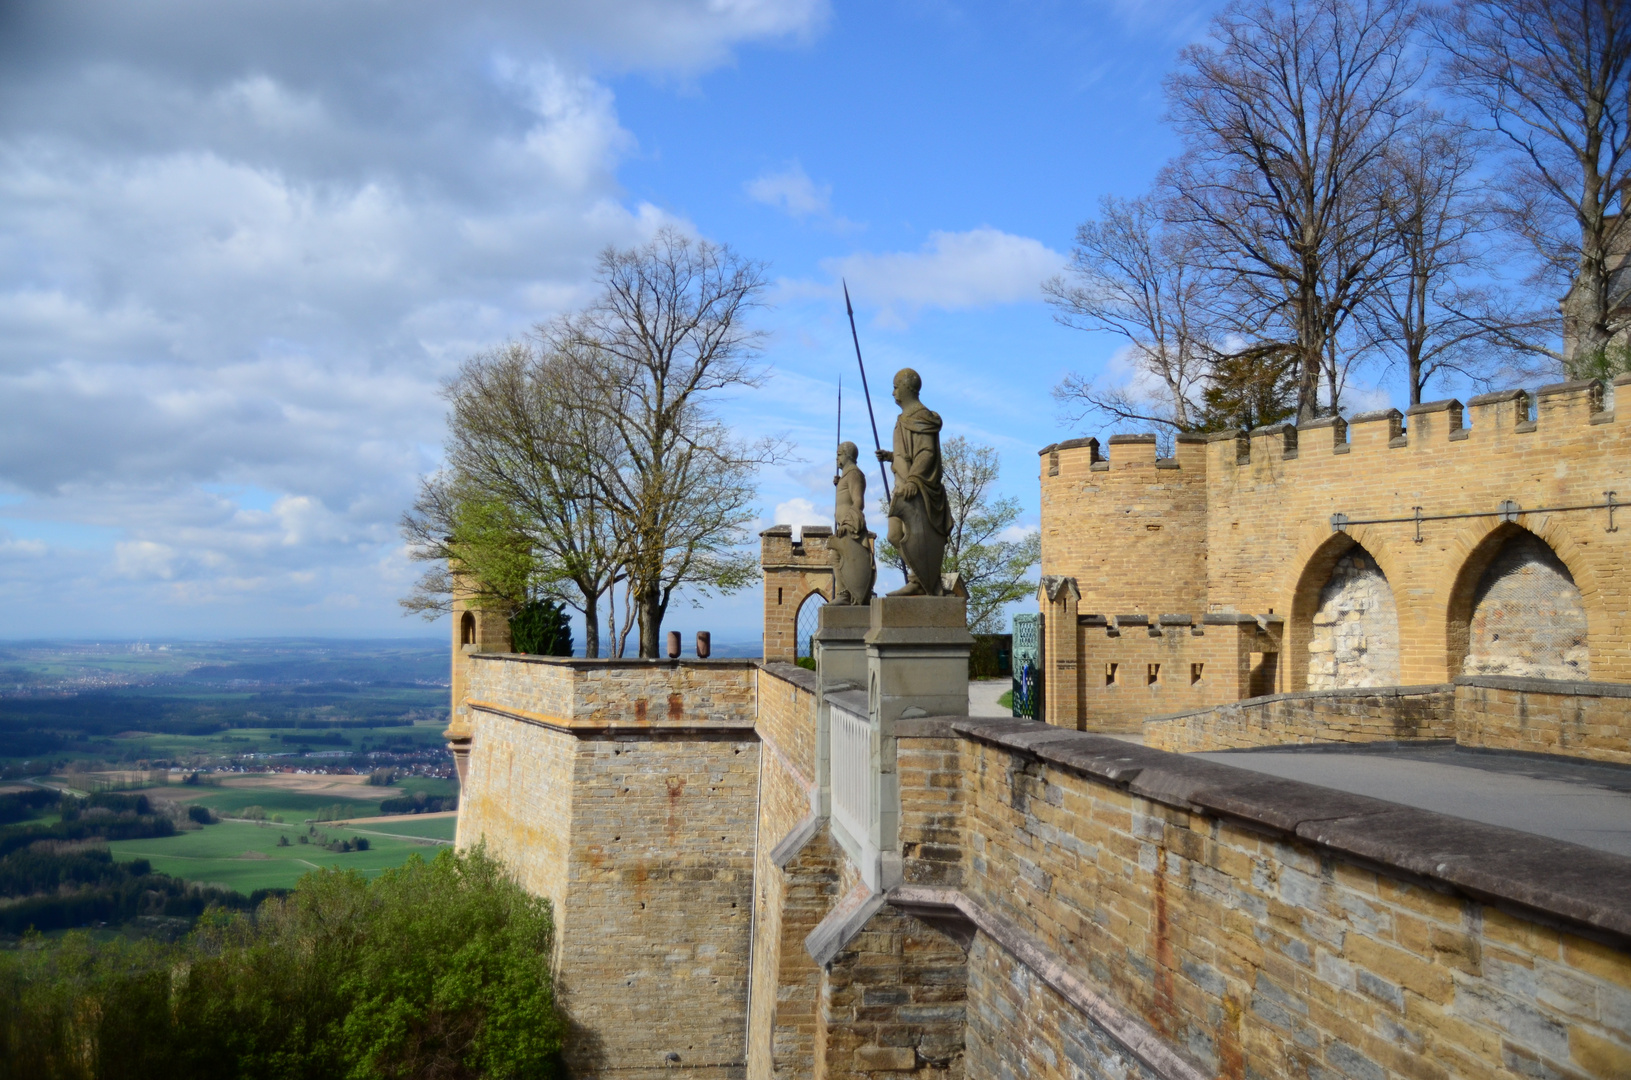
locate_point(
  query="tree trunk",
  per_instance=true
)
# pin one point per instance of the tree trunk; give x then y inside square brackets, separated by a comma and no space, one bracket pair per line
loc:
[591,628]
[1585,331]
[651,609]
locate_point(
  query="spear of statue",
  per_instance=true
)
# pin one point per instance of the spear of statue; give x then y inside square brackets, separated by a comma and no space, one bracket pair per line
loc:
[887,498]
[838,470]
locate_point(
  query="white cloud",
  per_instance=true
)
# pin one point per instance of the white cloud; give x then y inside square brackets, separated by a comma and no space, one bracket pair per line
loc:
[142,559]
[240,245]
[792,191]
[799,512]
[952,271]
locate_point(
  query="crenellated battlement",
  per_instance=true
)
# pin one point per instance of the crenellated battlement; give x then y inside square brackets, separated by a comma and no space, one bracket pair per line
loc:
[1258,521]
[1573,413]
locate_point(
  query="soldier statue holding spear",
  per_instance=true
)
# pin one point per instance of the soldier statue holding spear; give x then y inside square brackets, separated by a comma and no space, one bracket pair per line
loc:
[919,514]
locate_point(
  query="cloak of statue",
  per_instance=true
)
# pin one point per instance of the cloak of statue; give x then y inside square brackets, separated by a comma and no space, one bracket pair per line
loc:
[919,514]
[917,468]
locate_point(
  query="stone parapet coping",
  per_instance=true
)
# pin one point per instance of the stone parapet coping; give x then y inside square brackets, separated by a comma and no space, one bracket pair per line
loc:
[808,828]
[599,729]
[1353,693]
[853,701]
[1566,687]
[1564,882]
[803,678]
[935,904]
[579,663]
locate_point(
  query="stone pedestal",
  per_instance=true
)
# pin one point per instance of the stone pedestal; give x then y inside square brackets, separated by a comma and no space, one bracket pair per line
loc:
[916,665]
[917,657]
[840,644]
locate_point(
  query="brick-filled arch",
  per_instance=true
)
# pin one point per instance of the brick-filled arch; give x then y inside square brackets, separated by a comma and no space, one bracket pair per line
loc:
[1516,609]
[1344,626]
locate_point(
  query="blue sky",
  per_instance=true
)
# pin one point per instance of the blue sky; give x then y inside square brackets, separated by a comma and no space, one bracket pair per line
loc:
[241,243]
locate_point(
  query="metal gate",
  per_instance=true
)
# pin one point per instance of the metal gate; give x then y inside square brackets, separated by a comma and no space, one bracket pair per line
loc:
[1027,678]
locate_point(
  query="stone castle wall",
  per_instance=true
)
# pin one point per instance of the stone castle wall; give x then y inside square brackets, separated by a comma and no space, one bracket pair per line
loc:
[636,694]
[794,570]
[1589,720]
[1233,925]
[1543,716]
[1246,526]
[1381,714]
[787,905]
[627,792]
[1131,529]
[1068,905]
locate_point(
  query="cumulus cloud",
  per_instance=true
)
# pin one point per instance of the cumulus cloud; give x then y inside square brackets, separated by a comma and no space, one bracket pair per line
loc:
[799,512]
[791,190]
[952,271]
[241,243]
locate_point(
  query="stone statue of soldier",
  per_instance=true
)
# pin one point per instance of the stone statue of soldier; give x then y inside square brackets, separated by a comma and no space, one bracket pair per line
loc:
[854,567]
[919,515]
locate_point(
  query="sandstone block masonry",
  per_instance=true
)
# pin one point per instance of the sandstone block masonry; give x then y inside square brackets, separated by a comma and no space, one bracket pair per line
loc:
[1066,904]
[794,571]
[627,793]
[1076,906]
[1383,545]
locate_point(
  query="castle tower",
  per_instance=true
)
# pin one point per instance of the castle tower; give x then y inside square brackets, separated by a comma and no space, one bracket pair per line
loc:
[794,572]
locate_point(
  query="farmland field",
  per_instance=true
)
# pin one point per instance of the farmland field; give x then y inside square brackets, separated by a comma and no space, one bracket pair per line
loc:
[244,856]
[416,826]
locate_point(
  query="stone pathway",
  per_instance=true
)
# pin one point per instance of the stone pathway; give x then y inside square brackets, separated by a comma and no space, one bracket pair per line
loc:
[1584,804]
[983,695]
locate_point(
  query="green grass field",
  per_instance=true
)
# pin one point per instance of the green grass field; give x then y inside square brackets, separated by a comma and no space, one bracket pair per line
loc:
[436,828]
[293,805]
[298,806]
[215,854]
[241,741]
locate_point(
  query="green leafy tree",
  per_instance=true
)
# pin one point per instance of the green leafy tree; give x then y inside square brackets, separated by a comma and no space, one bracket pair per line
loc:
[435,969]
[468,534]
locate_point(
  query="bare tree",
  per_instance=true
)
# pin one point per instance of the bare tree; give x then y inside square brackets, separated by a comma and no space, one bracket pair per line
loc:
[1286,120]
[1131,278]
[1554,78]
[666,335]
[1426,315]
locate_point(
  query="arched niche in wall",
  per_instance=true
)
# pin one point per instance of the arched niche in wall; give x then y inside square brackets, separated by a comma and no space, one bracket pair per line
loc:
[467,628]
[1517,611]
[1345,624]
[806,624]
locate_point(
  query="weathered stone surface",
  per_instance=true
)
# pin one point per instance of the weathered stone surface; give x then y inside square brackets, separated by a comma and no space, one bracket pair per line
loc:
[1527,617]
[1355,638]
[1373,714]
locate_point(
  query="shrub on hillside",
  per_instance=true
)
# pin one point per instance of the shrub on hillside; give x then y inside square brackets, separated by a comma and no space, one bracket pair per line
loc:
[434,969]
